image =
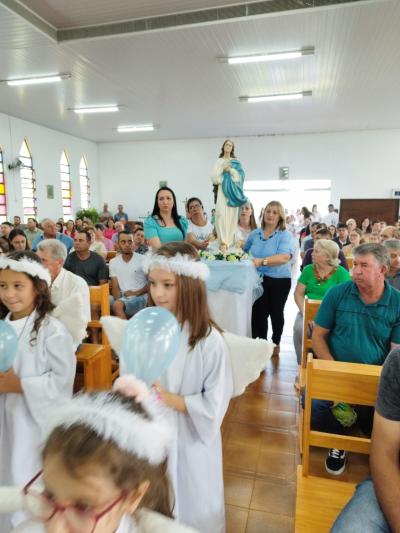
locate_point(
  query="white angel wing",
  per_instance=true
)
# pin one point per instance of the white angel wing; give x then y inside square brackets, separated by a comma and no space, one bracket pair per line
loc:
[10,499]
[71,313]
[248,358]
[114,328]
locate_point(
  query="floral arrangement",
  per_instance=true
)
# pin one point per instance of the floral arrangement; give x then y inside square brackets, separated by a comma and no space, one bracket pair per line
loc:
[218,255]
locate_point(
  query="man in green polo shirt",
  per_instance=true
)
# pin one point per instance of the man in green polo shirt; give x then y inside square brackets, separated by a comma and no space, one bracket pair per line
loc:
[357,322]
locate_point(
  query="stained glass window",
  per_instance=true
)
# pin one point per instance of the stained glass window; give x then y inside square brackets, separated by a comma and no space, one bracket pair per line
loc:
[66,191]
[85,184]
[28,182]
[3,199]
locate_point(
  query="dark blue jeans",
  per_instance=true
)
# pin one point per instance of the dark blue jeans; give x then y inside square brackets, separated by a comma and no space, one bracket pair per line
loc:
[322,418]
[363,513]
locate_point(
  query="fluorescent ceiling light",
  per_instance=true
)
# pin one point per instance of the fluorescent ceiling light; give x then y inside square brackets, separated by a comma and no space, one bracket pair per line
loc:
[39,79]
[273,56]
[134,128]
[100,109]
[275,97]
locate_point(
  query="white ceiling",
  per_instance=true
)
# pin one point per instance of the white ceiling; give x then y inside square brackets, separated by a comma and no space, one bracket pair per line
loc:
[171,77]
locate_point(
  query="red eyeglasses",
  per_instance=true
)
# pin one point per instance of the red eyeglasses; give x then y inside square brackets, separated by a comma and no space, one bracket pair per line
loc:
[42,507]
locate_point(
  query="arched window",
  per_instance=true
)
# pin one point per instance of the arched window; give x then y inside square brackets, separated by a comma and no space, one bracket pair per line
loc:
[85,185]
[66,192]
[28,182]
[3,200]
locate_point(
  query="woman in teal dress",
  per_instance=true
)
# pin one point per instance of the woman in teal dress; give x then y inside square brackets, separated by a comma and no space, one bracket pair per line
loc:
[164,224]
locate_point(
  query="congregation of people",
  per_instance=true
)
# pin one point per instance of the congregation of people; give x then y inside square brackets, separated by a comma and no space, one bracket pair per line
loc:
[352,267]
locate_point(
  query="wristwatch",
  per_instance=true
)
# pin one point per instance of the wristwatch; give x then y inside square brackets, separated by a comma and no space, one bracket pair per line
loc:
[265,262]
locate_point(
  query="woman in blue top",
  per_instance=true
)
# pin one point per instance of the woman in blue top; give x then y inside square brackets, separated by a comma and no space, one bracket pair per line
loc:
[272,248]
[165,225]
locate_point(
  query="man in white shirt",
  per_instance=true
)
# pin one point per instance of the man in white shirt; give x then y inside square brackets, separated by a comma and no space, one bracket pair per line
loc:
[128,281]
[332,218]
[69,292]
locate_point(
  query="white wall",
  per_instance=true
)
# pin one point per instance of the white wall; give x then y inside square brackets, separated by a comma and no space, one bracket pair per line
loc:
[361,164]
[46,146]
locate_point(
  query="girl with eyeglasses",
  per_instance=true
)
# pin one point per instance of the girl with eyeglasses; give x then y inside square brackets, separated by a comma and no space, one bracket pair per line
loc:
[104,467]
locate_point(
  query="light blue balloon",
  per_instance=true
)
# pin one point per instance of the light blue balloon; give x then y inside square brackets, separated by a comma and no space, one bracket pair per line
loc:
[150,343]
[8,346]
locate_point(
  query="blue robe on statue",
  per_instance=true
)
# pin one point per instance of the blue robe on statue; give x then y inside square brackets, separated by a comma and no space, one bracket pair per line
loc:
[232,190]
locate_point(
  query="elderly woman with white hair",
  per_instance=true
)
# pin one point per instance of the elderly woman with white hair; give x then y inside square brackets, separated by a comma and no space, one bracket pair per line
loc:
[315,281]
[393,275]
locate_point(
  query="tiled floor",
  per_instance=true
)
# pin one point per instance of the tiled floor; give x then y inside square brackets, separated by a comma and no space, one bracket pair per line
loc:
[260,446]
[260,452]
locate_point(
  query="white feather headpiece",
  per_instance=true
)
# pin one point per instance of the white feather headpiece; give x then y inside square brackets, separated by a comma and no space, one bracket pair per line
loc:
[111,419]
[183,265]
[26,265]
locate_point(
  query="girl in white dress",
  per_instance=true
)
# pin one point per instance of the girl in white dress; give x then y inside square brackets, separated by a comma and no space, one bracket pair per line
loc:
[43,371]
[197,386]
[104,458]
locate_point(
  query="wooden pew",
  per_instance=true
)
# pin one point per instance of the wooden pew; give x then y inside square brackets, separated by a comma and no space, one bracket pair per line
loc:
[310,311]
[110,255]
[95,361]
[95,358]
[319,500]
[100,297]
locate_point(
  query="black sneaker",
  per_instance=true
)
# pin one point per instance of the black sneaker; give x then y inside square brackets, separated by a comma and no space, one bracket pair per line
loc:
[335,462]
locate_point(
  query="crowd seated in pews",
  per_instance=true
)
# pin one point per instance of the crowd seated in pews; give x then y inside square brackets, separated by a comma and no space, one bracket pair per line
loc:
[358,320]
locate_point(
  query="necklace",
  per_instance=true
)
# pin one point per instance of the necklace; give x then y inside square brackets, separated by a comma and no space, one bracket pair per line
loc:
[320,278]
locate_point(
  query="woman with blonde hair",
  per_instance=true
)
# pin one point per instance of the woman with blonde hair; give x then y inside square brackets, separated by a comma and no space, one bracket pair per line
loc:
[388,232]
[315,281]
[272,249]
[355,236]
[246,223]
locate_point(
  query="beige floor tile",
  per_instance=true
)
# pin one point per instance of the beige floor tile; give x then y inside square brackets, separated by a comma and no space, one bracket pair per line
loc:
[238,490]
[271,495]
[279,441]
[280,419]
[261,522]
[236,519]
[254,399]
[283,403]
[240,457]
[285,388]
[244,434]
[277,464]
[250,414]
[263,384]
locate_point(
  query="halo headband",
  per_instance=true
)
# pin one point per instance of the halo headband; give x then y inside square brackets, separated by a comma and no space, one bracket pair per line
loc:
[111,419]
[27,266]
[183,265]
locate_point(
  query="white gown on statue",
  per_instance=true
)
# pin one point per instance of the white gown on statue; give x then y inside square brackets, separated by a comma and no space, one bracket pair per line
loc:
[226,217]
[204,377]
[47,371]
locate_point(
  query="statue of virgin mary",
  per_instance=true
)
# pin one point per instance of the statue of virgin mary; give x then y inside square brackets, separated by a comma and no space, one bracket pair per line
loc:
[228,176]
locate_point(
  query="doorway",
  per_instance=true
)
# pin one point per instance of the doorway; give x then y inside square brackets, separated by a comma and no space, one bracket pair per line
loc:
[293,194]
